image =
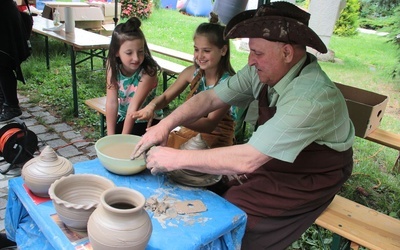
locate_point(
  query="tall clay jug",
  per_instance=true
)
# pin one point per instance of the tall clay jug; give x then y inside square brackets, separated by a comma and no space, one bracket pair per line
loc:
[120,221]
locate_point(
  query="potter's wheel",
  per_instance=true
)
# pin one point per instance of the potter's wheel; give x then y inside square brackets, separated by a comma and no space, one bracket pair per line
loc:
[194,179]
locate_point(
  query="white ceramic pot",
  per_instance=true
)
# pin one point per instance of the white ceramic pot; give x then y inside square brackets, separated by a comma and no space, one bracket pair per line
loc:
[120,221]
[40,172]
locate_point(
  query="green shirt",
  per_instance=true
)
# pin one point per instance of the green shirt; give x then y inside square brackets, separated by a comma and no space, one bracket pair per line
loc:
[310,108]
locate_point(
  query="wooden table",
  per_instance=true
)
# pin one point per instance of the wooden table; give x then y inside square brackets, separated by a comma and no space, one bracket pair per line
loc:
[89,43]
[31,222]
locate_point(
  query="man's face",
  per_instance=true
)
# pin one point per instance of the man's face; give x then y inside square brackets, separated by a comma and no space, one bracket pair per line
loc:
[268,58]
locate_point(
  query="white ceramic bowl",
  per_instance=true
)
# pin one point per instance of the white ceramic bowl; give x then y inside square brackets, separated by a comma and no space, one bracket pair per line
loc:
[76,196]
[114,153]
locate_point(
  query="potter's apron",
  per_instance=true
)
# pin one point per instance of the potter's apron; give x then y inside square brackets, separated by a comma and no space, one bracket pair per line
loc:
[283,199]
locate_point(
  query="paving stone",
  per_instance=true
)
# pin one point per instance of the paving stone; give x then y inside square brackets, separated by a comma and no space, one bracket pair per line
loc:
[34,108]
[38,129]
[2,214]
[55,144]
[3,193]
[71,134]
[4,184]
[81,143]
[3,203]
[30,122]
[61,127]
[69,151]
[40,114]
[91,152]
[48,136]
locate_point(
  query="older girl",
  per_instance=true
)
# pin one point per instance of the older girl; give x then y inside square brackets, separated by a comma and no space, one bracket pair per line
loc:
[211,65]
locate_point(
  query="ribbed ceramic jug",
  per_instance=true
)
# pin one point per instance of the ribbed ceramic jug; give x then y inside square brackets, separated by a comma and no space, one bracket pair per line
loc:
[120,221]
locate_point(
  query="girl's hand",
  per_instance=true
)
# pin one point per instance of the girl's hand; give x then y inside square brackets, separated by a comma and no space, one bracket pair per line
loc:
[145,114]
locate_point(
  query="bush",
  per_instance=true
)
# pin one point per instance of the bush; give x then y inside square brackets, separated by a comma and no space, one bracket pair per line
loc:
[136,8]
[382,23]
[348,21]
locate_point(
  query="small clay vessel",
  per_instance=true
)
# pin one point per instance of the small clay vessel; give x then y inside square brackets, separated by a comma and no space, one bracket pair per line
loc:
[195,142]
[120,221]
[40,172]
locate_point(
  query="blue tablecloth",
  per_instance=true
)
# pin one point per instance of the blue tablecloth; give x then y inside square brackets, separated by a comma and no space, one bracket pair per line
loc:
[221,226]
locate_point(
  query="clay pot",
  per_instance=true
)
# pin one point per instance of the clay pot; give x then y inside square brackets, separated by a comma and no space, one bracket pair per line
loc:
[120,221]
[76,196]
[195,142]
[40,172]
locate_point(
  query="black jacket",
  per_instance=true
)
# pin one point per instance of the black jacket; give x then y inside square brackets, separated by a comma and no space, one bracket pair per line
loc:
[14,47]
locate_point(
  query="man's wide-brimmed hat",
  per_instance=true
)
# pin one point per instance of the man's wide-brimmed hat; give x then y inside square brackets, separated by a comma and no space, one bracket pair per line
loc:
[276,21]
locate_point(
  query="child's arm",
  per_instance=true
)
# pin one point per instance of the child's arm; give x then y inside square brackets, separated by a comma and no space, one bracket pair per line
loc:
[146,85]
[111,107]
[209,123]
[165,98]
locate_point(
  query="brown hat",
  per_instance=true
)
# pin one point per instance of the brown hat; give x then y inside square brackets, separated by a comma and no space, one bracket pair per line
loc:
[276,21]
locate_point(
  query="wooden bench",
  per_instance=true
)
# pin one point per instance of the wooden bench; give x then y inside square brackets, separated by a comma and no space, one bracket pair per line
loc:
[99,105]
[360,225]
[169,70]
[387,139]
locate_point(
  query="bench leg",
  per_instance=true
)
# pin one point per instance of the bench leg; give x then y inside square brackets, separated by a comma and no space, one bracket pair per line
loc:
[102,125]
[396,168]
[165,80]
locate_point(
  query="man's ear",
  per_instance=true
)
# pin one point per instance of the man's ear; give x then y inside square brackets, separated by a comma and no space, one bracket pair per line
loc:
[288,52]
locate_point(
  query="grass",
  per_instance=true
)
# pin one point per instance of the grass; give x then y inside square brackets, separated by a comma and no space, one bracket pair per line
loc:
[364,61]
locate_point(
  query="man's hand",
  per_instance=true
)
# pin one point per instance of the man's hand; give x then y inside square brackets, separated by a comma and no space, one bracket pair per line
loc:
[161,159]
[154,136]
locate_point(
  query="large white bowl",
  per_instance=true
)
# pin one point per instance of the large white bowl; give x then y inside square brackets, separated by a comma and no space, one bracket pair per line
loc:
[114,153]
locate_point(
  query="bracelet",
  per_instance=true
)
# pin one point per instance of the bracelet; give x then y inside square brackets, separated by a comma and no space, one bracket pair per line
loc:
[152,103]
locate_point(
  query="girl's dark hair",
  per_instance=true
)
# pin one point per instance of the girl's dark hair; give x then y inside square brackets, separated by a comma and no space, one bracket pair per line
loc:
[128,31]
[214,32]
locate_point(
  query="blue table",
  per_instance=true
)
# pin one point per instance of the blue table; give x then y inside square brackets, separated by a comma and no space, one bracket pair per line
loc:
[221,226]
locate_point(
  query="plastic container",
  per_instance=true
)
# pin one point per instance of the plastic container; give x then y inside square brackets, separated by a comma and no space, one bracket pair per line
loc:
[56,17]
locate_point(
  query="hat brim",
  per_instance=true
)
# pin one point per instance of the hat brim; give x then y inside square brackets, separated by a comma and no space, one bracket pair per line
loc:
[273,28]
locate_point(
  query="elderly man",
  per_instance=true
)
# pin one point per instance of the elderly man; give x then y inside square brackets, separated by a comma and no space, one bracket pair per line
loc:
[301,152]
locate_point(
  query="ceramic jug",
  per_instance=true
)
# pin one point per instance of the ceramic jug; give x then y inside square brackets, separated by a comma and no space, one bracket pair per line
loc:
[195,142]
[40,172]
[120,221]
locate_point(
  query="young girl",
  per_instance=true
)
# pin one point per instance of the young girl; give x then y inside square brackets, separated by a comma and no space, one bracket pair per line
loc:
[131,79]
[211,65]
